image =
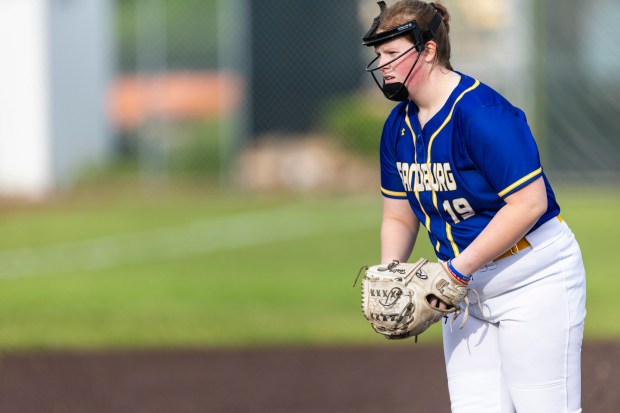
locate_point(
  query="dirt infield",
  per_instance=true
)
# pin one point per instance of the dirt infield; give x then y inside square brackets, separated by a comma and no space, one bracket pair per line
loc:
[267,380]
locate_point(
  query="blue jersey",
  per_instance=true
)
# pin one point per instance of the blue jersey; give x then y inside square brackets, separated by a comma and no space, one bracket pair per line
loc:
[457,170]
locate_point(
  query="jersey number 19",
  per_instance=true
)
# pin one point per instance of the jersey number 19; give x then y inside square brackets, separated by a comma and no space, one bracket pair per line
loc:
[462,208]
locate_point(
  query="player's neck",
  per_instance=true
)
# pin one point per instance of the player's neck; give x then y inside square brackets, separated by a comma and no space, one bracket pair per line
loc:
[431,95]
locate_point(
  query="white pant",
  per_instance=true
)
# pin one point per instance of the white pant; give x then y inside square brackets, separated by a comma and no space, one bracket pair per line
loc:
[523,353]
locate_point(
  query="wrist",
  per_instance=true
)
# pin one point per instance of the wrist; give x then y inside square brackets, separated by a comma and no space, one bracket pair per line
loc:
[456,274]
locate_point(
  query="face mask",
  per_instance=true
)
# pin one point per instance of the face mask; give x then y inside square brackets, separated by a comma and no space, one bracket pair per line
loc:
[393,91]
[397,91]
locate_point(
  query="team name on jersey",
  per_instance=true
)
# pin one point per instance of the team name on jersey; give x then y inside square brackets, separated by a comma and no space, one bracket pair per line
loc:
[436,177]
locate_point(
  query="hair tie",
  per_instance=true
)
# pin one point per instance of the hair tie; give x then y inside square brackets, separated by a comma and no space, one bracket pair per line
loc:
[433,6]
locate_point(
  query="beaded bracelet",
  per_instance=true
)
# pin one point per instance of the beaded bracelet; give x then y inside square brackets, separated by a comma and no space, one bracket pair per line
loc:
[461,277]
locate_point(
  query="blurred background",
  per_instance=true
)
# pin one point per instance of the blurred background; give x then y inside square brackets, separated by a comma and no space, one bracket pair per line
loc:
[171,138]
[204,173]
[232,92]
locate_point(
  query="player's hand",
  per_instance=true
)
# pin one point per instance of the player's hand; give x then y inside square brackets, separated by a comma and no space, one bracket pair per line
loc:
[436,303]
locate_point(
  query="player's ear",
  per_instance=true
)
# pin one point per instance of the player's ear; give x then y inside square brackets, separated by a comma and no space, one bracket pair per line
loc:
[430,51]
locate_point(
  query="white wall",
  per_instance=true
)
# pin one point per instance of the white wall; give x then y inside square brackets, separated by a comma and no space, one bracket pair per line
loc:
[57,64]
[25,138]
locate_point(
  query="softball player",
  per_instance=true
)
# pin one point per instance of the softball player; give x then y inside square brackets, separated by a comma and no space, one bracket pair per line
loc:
[460,159]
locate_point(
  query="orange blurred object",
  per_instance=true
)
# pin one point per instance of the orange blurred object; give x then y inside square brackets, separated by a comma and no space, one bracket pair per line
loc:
[173,95]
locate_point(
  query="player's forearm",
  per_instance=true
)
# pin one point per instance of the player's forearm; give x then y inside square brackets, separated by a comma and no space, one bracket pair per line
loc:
[508,226]
[397,240]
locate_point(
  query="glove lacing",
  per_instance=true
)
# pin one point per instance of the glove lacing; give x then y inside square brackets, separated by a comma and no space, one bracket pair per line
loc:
[466,311]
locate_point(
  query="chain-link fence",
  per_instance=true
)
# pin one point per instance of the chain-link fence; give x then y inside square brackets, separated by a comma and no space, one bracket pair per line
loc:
[273,93]
[580,62]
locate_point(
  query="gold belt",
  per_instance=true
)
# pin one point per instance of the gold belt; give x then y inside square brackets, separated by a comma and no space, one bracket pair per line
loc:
[520,245]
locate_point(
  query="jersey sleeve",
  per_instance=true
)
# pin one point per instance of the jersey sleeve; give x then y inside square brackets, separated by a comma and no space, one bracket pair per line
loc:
[500,144]
[391,182]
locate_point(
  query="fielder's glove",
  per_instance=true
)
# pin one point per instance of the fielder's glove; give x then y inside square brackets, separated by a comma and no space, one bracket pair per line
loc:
[396,298]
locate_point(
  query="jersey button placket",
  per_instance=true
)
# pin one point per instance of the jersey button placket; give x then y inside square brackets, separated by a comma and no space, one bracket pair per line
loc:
[420,149]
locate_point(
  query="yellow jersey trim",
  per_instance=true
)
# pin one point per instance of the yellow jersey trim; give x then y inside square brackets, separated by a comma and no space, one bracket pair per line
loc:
[408,122]
[455,247]
[427,220]
[393,193]
[520,181]
[448,118]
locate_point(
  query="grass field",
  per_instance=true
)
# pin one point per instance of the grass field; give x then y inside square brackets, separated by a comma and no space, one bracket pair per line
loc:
[211,269]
